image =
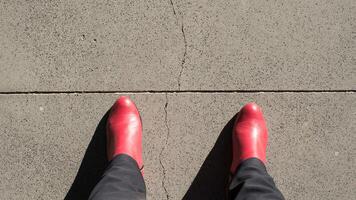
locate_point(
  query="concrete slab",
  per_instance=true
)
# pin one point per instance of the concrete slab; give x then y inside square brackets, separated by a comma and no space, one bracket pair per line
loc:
[311,152]
[171,45]
[88,45]
[44,137]
[311,145]
[268,45]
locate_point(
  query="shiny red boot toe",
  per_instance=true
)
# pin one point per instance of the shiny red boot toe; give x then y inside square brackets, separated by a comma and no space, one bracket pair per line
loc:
[124,131]
[249,138]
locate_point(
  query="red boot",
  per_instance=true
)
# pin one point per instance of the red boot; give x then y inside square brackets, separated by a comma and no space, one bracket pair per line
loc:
[124,131]
[249,138]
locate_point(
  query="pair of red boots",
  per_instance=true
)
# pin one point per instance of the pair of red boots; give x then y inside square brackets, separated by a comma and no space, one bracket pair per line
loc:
[124,133]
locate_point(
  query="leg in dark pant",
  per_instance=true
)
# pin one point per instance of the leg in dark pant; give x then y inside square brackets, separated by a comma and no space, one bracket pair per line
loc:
[252,182]
[122,180]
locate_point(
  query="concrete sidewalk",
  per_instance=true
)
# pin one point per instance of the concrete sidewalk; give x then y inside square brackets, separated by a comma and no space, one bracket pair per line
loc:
[189,66]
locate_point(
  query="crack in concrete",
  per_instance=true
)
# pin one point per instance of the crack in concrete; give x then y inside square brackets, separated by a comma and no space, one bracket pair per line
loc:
[185,45]
[174,10]
[184,56]
[164,148]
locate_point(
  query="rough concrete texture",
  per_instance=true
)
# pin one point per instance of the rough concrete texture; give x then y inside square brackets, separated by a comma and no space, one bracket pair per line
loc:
[271,45]
[190,66]
[311,150]
[88,45]
[171,45]
[44,138]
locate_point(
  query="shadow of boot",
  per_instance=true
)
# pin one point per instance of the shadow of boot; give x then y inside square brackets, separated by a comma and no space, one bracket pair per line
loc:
[211,182]
[93,164]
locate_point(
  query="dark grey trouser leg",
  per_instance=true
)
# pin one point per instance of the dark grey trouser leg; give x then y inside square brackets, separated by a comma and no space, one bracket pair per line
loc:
[252,182]
[122,180]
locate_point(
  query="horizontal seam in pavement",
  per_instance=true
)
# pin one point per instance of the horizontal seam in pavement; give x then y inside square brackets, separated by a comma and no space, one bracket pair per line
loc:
[174,91]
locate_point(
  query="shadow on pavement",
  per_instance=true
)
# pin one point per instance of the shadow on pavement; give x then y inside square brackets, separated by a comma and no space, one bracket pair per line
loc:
[211,182]
[92,166]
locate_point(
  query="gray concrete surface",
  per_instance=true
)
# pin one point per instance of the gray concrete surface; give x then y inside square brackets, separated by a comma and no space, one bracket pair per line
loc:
[88,45]
[61,63]
[44,138]
[171,45]
[311,150]
[269,45]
